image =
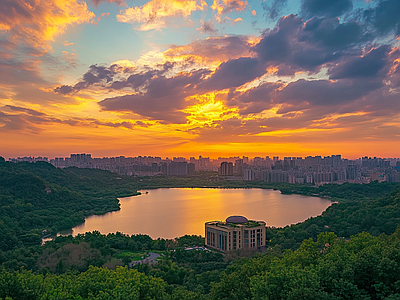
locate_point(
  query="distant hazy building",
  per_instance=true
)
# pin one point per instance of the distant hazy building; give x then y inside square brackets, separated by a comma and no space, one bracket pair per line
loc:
[237,232]
[226,169]
[80,158]
[177,168]
[249,174]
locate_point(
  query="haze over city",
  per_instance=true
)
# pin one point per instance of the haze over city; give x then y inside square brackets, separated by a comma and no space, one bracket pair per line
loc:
[191,77]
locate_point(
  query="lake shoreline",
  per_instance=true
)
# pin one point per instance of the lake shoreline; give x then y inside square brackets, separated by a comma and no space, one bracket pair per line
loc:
[142,203]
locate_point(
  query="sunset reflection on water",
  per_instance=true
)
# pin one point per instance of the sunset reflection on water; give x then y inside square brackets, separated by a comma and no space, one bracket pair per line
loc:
[169,213]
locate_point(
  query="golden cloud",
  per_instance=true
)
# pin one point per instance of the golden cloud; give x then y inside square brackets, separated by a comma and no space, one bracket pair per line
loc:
[212,51]
[226,6]
[233,21]
[156,13]
[38,22]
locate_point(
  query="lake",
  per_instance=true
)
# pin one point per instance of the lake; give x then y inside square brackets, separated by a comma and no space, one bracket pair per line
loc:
[169,213]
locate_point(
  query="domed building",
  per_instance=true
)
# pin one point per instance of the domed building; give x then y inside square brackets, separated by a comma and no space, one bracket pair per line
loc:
[237,232]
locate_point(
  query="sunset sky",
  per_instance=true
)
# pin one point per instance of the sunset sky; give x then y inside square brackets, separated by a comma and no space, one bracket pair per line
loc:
[192,77]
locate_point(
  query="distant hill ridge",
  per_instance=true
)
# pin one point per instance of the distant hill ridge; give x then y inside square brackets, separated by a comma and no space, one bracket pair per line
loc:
[37,196]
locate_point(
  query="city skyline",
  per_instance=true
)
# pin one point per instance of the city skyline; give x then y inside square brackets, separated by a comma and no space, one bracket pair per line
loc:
[295,170]
[187,158]
[200,77]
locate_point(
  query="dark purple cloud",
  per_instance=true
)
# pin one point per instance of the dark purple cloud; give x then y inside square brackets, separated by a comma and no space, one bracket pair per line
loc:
[95,75]
[234,73]
[308,47]
[325,92]
[368,65]
[134,81]
[385,16]
[163,99]
[64,89]
[332,34]
[142,79]
[303,95]
[108,77]
[254,100]
[326,8]
[276,44]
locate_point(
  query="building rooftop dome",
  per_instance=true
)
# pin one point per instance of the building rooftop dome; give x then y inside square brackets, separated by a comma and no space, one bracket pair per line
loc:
[236,219]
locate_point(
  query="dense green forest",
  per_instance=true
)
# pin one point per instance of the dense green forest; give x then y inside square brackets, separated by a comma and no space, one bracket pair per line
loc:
[363,267]
[38,197]
[325,257]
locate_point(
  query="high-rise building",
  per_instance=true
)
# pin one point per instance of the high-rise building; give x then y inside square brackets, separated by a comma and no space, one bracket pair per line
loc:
[238,167]
[226,169]
[351,172]
[237,232]
[249,175]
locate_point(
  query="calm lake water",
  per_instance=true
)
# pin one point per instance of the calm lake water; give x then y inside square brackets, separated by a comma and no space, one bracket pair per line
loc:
[169,213]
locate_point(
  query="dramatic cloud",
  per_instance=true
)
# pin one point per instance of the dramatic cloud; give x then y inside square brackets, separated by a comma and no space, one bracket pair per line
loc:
[233,73]
[213,50]
[330,71]
[326,8]
[385,16]
[282,45]
[313,98]
[333,34]
[368,65]
[309,46]
[38,21]
[325,92]
[163,99]
[192,56]
[276,44]
[355,69]
[116,77]
[95,75]
[155,14]
[255,100]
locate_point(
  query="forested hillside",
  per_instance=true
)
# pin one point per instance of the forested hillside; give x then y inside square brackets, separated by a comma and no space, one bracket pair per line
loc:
[38,197]
[364,267]
[345,218]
